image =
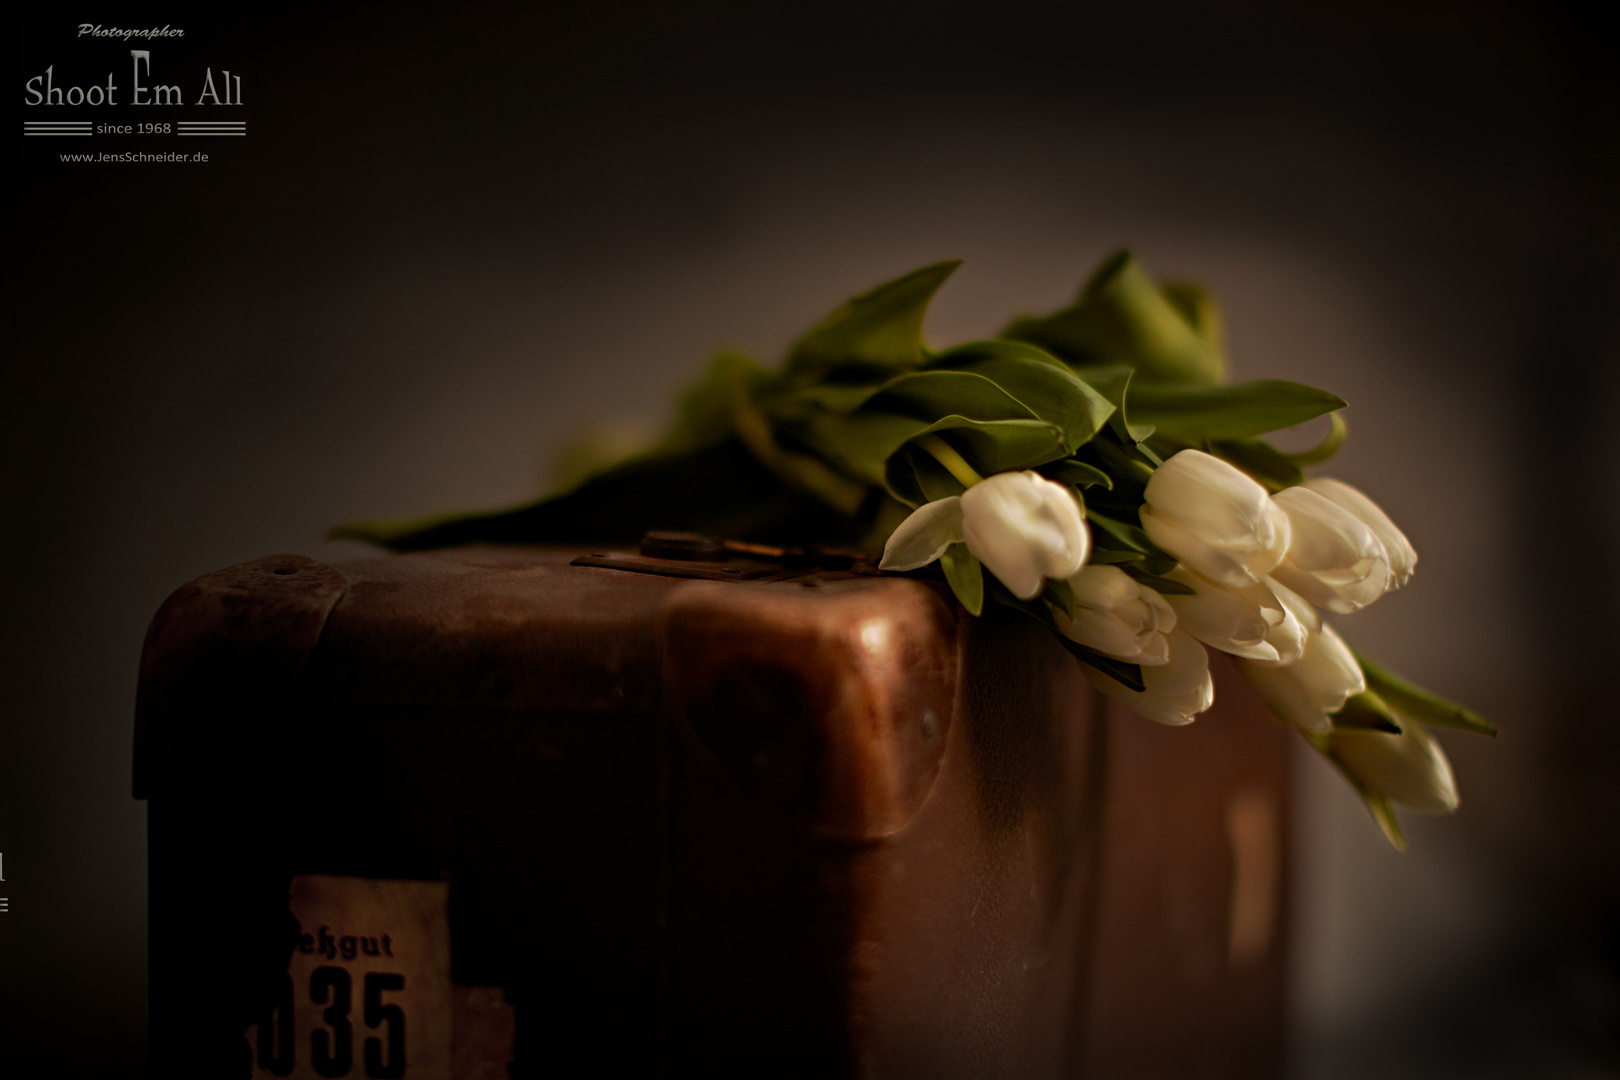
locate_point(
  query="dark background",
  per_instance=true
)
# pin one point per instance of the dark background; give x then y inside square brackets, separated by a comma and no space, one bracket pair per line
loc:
[456,234]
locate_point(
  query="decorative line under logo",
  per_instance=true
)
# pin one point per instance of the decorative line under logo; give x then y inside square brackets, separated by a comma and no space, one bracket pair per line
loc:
[211,127]
[56,127]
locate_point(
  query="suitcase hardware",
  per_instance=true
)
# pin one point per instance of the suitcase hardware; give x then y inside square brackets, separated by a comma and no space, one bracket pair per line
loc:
[710,558]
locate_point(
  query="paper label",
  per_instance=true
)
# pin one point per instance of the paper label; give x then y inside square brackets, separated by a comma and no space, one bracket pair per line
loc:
[368,989]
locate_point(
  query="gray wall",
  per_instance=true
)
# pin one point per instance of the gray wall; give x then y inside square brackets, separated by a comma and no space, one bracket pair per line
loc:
[457,234]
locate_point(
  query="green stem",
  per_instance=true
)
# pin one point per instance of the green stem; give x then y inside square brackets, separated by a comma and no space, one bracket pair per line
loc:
[1327,447]
[953,462]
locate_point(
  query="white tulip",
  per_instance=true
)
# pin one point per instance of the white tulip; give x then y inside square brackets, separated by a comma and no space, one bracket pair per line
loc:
[1304,692]
[1118,616]
[1175,691]
[1255,622]
[1215,519]
[1334,560]
[1023,527]
[1402,558]
[1409,768]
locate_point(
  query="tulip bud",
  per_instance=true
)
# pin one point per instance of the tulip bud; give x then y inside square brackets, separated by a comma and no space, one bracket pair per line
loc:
[1409,768]
[1118,616]
[1252,622]
[1175,691]
[1025,528]
[1398,549]
[1333,560]
[1215,519]
[1319,683]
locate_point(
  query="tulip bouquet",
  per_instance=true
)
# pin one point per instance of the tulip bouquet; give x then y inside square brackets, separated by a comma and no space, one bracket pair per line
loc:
[1090,469]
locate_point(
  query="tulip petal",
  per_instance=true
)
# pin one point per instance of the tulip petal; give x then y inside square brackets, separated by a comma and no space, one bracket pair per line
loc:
[1103,631]
[1296,605]
[925,535]
[1402,557]
[1214,518]
[1024,528]
[1118,616]
[1300,621]
[1174,692]
[1306,691]
[1334,560]
[1164,616]
[1211,562]
[1409,768]
[1103,587]
[1237,621]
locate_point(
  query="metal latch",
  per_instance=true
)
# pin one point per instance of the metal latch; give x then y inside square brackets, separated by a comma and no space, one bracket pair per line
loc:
[712,558]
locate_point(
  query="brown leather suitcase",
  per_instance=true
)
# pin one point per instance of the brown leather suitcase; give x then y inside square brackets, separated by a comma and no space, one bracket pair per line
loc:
[664,818]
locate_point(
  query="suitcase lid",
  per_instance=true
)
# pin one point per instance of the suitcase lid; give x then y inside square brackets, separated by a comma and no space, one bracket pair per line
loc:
[854,675]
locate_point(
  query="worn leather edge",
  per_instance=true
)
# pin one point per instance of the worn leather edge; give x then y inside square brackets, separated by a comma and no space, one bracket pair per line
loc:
[878,738]
[243,633]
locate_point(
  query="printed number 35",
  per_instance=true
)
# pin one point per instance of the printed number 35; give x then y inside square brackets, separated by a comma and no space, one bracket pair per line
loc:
[332,1052]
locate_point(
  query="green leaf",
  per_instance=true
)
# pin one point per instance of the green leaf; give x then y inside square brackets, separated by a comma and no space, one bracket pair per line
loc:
[836,397]
[965,577]
[1061,596]
[1366,711]
[934,480]
[1121,317]
[929,395]
[958,357]
[1109,532]
[1126,535]
[1105,557]
[593,449]
[1078,473]
[1128,467]
[704,414]
[859,444]
[1156,565]
[1127,675]
[1198,307]
[803,472]
[988,446]
[721,489]
[1039,381]
[1260,460]
[1241,411]
[1113,382]
[703,417]
[1416,703]
[881,329]
[1162,585]
[1383,812]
